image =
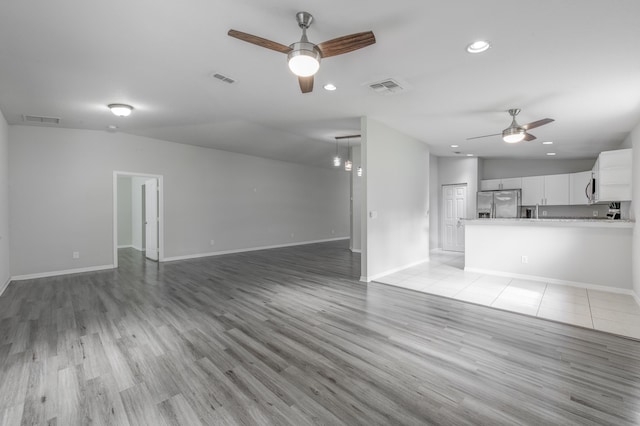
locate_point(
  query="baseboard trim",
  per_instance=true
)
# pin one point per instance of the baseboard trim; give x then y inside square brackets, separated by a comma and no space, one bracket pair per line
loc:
[4,286]
[554,281]
[355,250]
[391,271]
[127,246]
[65,272]
[244,250]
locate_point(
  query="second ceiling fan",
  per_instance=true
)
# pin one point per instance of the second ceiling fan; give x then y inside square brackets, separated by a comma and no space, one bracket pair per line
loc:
[515,132]
[304,56]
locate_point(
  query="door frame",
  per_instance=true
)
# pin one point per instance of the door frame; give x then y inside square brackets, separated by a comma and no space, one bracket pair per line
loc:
[160,180]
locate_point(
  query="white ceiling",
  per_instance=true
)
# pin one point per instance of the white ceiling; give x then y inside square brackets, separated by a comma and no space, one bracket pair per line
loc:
[576,61]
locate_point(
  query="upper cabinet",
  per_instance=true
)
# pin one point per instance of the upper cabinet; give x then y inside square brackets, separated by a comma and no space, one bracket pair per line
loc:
[612,173]
[550,190]
[498,184]
[580,188]
[532,190]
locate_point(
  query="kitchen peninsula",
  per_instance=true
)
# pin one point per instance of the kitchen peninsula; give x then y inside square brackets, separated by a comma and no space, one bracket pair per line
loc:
[587,253]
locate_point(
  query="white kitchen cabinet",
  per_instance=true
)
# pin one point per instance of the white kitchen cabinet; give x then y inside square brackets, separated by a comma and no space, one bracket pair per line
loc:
[612,173]
[550,190]
[556,190]
[578,183]
[532,190]
[490,184]
[512,183]
[497,184]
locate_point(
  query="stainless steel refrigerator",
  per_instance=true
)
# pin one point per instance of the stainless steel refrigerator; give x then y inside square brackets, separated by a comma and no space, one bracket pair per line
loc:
[499,204]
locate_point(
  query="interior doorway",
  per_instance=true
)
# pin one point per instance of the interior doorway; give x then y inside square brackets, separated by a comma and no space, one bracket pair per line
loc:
[138,214]
[454,208]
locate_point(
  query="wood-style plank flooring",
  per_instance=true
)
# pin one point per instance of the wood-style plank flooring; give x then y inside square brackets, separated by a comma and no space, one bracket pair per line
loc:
[290,337]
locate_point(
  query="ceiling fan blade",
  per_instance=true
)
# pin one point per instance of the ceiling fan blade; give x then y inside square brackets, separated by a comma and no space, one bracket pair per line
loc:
[259,41]
[346,44]
[485,136]
[306,84]
[538,123]
[529,137]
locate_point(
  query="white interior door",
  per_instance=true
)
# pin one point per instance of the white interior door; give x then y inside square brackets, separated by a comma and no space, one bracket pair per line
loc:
[454,201]
[151,218]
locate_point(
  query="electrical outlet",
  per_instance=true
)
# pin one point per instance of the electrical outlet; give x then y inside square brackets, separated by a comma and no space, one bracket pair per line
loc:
[333,231]
[76,255]
[544,212]
[595,213]
[525,259]
[212,242]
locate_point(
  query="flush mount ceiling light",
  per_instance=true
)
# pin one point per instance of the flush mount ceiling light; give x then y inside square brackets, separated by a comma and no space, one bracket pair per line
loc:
[121,110]
[478,46]
[330,87]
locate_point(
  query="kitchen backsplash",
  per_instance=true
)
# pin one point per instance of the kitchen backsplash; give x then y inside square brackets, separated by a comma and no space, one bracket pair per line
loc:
[570,211]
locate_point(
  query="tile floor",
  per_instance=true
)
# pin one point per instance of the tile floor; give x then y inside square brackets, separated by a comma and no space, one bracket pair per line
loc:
[444,275]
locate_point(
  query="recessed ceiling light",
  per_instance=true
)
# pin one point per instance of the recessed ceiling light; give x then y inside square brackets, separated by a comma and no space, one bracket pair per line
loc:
[121,110]
[547,143]
[551,153]
[112,127]
[469,155]
[478,46]
[330,87]
[455,146]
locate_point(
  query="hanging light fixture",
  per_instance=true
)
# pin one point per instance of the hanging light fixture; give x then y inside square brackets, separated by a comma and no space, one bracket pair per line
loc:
[359,171]
[336,159]
[348,165]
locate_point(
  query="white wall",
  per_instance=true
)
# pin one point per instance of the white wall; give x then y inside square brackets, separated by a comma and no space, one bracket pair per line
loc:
[356,200]
[396,188]
[240,201]
[498,168]
[434,204]
[5,271]
[633,141]
[460,170]
[124,211]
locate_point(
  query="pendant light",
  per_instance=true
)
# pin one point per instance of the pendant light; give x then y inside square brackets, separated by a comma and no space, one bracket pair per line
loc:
[348,165]
[359,171]
[336,159]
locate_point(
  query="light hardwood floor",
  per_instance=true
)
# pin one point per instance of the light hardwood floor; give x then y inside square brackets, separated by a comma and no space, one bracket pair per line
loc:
[289,336]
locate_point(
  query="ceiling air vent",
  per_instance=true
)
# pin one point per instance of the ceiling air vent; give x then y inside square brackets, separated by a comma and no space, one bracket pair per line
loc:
[35,119]
[223,78]
[386,87]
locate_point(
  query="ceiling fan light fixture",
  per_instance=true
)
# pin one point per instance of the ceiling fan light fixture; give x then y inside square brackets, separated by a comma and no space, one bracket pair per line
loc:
[120,110]
[513,134]
[304,59]
[478,46]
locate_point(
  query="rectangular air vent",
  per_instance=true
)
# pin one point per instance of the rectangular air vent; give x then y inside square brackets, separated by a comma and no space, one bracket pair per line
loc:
[223,78]
[36,119]
[386,87]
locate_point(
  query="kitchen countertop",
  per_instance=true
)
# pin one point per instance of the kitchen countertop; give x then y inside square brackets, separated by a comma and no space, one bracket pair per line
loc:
[568,222]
